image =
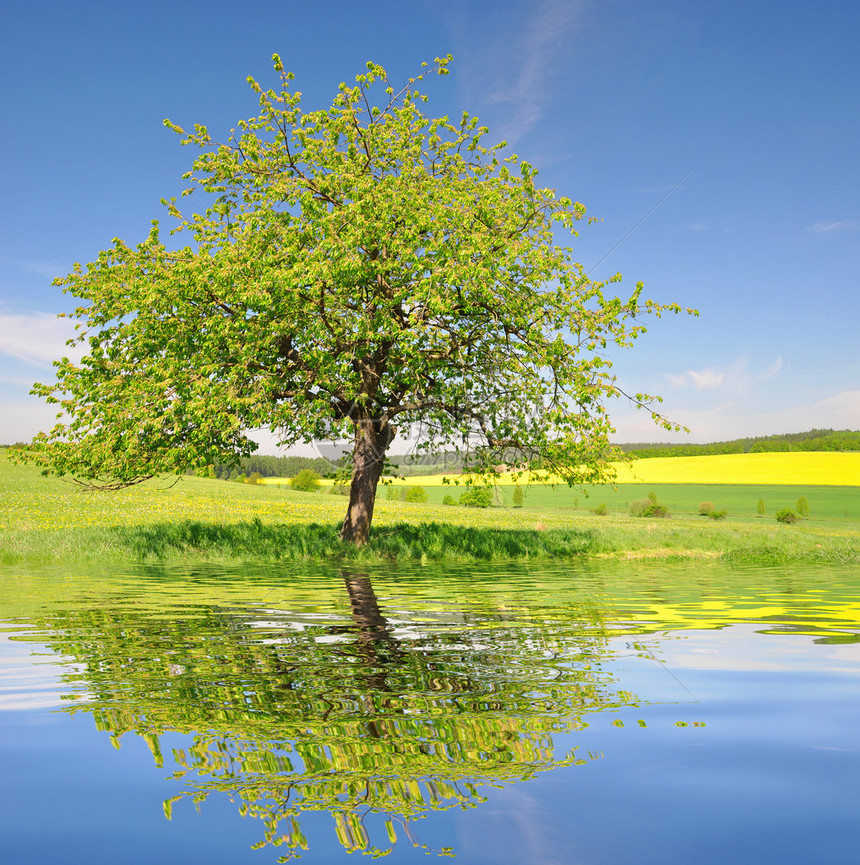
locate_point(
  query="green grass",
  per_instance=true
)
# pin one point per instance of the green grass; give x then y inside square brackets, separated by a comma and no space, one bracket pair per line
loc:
[49,519]
[836,506]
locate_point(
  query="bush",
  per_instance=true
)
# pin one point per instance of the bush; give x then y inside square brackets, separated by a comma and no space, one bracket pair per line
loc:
[705,509]
[802,507]
[519,496]
[392,493]
[416,494]
[306,481]
[449,500]
[718,515]
[339,488]
[760,508]
[254,478]
[476,497]
[648,507]
[786,516]
[600,510]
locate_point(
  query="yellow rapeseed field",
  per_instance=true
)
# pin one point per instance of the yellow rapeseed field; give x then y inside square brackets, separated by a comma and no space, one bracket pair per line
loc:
[794,468]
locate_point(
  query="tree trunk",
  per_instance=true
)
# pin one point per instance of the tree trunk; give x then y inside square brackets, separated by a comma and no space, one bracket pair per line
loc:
[372,438]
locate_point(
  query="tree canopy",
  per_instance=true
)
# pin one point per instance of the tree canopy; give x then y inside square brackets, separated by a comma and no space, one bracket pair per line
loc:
[356,270]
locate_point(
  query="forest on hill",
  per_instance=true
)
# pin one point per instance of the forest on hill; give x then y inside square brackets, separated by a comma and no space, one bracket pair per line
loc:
[811,440]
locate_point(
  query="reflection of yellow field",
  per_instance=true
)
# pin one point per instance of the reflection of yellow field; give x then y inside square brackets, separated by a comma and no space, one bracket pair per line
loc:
[797,469]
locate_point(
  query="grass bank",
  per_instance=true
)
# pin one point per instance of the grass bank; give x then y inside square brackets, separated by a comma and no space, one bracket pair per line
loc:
[49,519]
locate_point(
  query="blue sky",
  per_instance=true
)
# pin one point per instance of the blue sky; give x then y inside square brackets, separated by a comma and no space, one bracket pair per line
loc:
[746,113]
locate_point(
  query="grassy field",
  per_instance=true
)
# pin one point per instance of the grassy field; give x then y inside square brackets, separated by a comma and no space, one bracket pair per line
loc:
[44,518]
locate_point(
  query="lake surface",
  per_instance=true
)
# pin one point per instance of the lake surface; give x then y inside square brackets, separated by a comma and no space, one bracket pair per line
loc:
[576,713]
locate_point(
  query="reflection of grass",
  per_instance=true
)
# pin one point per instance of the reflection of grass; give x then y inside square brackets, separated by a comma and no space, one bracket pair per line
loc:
[201,518]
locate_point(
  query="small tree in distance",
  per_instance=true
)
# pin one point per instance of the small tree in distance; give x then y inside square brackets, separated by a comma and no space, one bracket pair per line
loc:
[306,481]
[359,269]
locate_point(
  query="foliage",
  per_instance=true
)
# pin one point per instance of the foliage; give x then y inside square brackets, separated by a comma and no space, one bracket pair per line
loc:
[358,269]
[761,508]
[449,500]
[416,494]
[253,478]
[306,481]
[786,516]
[518,498]
[601,510]
[707,509]
[476,497]
[802,507]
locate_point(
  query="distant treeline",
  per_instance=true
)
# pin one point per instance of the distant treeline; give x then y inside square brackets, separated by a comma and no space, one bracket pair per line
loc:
[273,467]
[813,440]
[416,465]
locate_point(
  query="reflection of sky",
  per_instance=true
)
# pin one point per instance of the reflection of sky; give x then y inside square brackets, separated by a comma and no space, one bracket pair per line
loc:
[27,682]
[744,648]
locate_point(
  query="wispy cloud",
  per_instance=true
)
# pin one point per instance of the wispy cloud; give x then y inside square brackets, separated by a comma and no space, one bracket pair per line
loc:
[48,269]
[517,67]
[823,227]
[737,377]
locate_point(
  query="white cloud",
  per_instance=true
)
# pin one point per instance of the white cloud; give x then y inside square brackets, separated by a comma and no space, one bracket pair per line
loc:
[741,416]
[36,338]
[21,419]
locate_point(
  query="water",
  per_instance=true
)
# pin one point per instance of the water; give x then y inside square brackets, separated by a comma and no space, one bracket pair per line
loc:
[602,713]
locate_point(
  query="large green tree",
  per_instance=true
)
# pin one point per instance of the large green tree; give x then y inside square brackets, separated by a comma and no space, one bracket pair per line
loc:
[359,269]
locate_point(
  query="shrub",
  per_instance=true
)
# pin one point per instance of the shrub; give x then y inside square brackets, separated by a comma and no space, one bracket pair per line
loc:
[449,500]
[705,509]
[786,516]
[240,478]
[476,497]
[416,494]
[306,481]
[600,510]
[254,478]
[339,488]
[718,515]
[392,493]
[648,507]
[760,508]
[802,507]
[519,496]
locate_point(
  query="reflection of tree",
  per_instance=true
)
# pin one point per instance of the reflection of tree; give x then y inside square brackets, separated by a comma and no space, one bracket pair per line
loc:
[373,720]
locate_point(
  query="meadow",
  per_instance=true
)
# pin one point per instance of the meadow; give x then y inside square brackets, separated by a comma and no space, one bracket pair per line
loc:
[201,518]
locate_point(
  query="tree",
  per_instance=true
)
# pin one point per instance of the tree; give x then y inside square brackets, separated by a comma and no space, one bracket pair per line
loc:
[306,481]
[359,269]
